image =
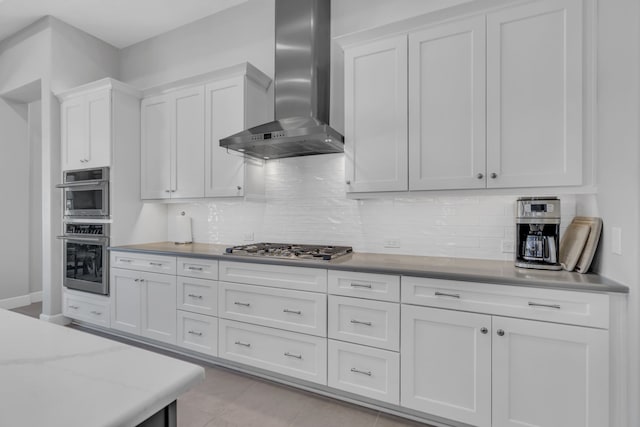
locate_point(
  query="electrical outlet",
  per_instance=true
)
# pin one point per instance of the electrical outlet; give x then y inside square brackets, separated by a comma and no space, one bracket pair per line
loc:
[507,246]
[616,240]
[391,243]
[248,237]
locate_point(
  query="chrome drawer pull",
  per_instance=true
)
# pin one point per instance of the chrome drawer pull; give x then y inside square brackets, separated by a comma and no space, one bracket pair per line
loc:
[535,304]
[297,356]
[196,268]
[195,296]
[244,344]
[75,307]
[138,280]
[126,260]
[97,313]
[286,310]
[244,304]
[156,264]
[358,371]
[360,285]
[359,322]
[443,294]
[197,333]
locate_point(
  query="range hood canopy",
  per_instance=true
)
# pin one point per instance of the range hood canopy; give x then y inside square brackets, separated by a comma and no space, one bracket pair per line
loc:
[301,88]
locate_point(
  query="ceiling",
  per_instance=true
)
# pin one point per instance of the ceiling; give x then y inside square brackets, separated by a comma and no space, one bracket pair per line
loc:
[118,22]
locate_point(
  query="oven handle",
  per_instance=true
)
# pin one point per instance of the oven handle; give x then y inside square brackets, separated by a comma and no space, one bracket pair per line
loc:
[76,239]
[82,183]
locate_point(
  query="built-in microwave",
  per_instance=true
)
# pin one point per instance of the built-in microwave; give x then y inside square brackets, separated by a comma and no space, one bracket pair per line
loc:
[86,193]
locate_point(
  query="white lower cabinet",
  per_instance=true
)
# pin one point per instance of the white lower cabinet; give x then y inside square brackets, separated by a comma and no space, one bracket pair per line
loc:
[198,332]
[366,371]
[197,295]
[298,355]
[86,307]
[502,372]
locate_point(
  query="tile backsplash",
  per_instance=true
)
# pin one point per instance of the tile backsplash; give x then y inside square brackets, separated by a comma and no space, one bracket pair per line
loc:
[306,203]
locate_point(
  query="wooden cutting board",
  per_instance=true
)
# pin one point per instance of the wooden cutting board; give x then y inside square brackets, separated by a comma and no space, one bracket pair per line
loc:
[572,244]
[595,225]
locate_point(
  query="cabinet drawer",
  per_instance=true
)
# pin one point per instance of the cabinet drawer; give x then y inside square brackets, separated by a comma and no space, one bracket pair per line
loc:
[367,371]
[297,278]
[296,311]
[364,285]
[197,332]
[197,295]
[87,309]
[197,267]
[144,262]
[289,353]
[367,322]
[578,308]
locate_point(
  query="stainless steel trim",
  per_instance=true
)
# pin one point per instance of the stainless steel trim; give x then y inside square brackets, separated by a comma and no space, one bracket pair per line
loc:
[360,322]
[444,294]
[535,304]
[90,183]
[358,371]
[78,239]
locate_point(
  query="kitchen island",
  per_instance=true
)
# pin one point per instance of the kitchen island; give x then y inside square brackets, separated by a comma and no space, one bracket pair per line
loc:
[52,375]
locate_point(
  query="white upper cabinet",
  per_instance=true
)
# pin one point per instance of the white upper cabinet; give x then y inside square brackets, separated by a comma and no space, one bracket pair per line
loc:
[446,106]
[534,95]
[86,129]
[173,145]
[376,116]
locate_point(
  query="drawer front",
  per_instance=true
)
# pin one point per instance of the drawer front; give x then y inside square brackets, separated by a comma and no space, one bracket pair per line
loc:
[144,262]
[288,353]
[198,295]
[296,311]
[86,310]
[366,371]
[198,333]
[278,276]
[197,267]
[382,287]
[577,308]
[367,322]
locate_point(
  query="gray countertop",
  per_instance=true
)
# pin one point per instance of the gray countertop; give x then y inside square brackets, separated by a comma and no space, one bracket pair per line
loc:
[471,270]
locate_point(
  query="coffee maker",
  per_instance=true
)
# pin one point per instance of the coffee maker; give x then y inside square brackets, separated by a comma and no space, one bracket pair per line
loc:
[538,233]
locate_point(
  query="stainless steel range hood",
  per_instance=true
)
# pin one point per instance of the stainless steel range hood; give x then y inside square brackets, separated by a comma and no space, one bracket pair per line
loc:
[301,88]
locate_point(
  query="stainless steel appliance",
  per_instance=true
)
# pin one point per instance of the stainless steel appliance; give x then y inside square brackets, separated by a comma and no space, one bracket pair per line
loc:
[86,193]
[301,87]
[291,251]
[538,233]
[86,259]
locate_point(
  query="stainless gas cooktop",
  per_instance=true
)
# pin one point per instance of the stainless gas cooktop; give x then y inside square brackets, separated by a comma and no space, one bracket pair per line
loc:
[290,251]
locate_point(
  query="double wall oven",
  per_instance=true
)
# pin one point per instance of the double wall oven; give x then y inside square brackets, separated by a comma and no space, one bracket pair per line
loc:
[86,230]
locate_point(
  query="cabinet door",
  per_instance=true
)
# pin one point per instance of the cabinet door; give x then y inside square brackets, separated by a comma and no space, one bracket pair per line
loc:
[187,147]
[549,375]
[156,131]
[98,138]
[73,133]
[447,106]
[376,142]
[225,115]
[534,95]
[159,307]
[125,287]
[446,364]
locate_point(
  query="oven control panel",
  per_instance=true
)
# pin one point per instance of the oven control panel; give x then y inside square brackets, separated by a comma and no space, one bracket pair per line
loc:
[86,229]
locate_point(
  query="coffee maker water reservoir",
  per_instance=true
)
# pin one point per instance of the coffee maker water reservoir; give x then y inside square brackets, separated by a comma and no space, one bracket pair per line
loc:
[538,233]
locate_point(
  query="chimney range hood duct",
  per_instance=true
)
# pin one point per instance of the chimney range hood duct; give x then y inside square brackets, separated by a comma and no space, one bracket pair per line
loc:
[301,88]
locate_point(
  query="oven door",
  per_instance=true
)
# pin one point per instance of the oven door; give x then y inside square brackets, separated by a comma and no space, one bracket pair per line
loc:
[86,264]
[86,199]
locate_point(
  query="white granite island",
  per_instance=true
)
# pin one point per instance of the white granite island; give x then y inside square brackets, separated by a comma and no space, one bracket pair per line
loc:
[56,376]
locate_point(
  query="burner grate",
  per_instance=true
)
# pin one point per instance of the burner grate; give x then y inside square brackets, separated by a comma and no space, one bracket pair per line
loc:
[291,251]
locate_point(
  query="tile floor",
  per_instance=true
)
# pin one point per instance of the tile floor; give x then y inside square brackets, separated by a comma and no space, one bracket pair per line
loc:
[230,399]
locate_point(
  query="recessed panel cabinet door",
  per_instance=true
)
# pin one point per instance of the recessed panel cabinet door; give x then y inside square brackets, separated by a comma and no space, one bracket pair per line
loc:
[549,375]
[187,149]
[159,307]
[447,106]
[125,289]
[98,143]
[376,116]
[156,143]
[446,364]
[73,133]
[534,95]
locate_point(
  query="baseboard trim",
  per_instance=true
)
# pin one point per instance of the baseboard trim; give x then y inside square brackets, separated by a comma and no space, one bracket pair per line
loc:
[21,301]
[58,319]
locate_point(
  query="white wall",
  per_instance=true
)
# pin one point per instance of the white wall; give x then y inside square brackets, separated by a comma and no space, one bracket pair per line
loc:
[35,200]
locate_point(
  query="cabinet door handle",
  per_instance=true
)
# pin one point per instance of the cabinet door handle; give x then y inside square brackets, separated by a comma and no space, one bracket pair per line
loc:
[296,356]
[348,182]
[195,296]
[500,332]
[480,176]
[244,304]
[195,268]
[167,191]
[360,322]
[493,175]
[535,304]
[358,371]
[156,264]
[244,344]
[484,330]
[444,294]
[286,310]
[239,188]
[361,285]
[197,333]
